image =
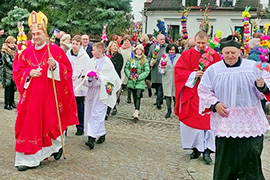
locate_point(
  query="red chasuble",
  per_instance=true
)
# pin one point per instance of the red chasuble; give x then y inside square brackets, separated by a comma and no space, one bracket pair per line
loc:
[37,121]
[187,99]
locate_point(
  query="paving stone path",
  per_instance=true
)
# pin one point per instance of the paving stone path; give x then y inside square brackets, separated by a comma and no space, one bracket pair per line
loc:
[147,150]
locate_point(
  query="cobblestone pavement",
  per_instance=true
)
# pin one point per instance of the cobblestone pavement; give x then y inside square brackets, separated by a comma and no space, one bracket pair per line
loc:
[148,150]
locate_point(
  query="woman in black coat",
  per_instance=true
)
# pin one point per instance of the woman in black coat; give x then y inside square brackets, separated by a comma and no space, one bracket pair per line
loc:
[8,51]
[118,61]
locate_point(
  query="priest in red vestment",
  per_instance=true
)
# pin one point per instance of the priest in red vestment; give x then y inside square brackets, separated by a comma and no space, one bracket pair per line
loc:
[37,129]
[194,128]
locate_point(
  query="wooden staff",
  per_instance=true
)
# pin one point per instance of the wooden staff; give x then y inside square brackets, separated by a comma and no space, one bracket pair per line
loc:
[55,96]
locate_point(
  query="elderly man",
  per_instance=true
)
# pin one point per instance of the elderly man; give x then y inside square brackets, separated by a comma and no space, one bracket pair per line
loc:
[231,91]
[78,58]
[194,128]
[87,45]
[156,77]
[37,128]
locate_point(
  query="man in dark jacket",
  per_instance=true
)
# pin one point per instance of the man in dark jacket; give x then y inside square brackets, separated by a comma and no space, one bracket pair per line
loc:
[87,45]
[154,60]
[2,40]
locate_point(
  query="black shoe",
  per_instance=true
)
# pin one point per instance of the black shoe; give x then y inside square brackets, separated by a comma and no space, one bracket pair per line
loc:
[66,132]
[128,101]
[79,133]
[158,105]
[135,120]
[206,157]
[22,168]
[114,111]
[168,115]
[195,154]
[90,142]
[101,139]
[58,155]
[8,107]
[13,105]
[150,92]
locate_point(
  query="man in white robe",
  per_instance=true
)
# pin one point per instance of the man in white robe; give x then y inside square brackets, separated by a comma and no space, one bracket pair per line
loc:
[231,91]
[78,59]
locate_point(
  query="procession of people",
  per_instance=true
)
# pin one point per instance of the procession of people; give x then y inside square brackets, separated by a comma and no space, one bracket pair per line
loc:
[216,93]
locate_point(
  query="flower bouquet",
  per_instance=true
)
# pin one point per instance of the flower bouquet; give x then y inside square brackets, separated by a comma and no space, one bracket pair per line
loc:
[264,49]
[163,64]
[205,60]
[104,35]
[155,54]
[133,70]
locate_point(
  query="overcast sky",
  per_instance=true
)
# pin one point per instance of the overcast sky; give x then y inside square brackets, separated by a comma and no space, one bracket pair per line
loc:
[137,6]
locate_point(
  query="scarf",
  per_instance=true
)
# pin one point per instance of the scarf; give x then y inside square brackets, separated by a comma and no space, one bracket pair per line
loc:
[172,57]
[8,50]
[139,56]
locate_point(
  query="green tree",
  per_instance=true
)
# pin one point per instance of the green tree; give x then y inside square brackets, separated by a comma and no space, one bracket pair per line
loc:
[13,16]
[81,16]
[6,6]
[115,14]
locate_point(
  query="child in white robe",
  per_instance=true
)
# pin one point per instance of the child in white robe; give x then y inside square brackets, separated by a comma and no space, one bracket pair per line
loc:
[101,82]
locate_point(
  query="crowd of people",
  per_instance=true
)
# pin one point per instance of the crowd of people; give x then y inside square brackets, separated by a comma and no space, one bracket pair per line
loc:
[73,81]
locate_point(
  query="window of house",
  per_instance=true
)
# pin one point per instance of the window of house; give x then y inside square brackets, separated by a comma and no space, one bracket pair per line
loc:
[191,3]
[173,31]
[226,3]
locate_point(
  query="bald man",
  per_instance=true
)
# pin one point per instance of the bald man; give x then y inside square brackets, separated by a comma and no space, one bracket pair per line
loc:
[87,45]
[156,77]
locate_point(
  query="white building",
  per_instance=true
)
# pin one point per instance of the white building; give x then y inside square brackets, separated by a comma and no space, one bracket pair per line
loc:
[224,14]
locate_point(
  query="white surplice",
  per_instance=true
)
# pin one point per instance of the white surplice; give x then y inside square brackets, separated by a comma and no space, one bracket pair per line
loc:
[234,87]
[101,93]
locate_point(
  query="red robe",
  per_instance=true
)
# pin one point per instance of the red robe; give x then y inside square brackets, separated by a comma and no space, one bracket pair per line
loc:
[37,122]
[189,112]
[267,96]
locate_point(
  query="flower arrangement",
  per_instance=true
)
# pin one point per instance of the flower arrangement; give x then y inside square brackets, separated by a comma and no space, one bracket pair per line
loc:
[264,49]
[237,34]
[155,54]
[134,39]
[184,15]
[21,38]
[205,23]
[104,35]
[214,43]
[163,64]
[161,29]
[246,15]
[137,32]
[256,24]
[205,60]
